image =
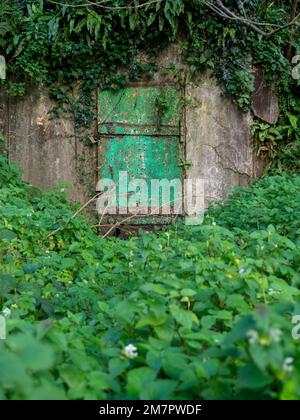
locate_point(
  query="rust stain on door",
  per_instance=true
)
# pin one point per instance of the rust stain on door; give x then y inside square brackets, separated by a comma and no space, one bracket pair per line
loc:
[139,131]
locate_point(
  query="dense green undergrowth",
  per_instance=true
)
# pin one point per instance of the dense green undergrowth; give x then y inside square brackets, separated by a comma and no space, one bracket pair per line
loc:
[207,309]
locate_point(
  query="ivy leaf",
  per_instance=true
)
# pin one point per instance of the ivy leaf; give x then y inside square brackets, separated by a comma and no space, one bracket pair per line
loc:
[293,119]
[151,19]
[161,23]
[133,21]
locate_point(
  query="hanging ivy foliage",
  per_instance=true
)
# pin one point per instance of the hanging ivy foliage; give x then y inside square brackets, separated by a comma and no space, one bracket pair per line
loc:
[88,47]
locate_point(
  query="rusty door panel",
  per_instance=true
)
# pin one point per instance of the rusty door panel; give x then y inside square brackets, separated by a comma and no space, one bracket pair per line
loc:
[135,139]
[135,110]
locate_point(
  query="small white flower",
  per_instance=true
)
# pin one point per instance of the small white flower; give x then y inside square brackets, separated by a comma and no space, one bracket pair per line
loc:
[275,335]
[62,190]
[130,351]
[242,270]
[6,312]
[288,365]
[252,336]
[214,224]
[273,292]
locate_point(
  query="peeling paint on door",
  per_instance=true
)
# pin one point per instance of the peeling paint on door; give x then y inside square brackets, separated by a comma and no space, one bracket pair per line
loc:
[139,131]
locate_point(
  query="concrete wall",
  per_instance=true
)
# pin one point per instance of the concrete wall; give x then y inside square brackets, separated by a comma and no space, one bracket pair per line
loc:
[217,142]
[47,149]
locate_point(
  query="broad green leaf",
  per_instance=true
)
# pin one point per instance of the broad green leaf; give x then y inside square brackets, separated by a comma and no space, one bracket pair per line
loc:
[138,379]
[250,377]
[184,318]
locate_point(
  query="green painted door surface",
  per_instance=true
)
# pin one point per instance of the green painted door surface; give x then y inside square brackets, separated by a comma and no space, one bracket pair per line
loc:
[140,133]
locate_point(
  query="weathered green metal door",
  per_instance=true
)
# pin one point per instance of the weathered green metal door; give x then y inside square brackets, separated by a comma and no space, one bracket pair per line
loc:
[139,129]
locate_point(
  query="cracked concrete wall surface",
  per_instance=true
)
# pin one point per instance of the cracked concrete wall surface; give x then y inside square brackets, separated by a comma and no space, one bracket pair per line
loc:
[218,140]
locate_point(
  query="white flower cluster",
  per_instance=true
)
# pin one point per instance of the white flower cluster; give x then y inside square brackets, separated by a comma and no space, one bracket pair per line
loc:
[273,292]
[288,365]
[274,336]
[130,351]
[6,312]
[252,336]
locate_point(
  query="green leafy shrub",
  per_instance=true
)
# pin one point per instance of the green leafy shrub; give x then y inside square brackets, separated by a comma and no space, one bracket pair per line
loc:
[193,312]
[280,143]
[274,201]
